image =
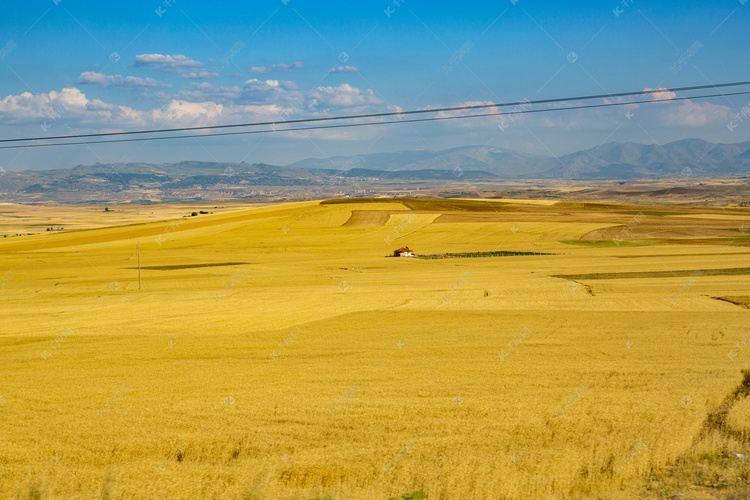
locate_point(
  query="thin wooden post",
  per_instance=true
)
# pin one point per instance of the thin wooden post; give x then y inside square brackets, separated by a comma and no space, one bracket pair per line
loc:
[139,266]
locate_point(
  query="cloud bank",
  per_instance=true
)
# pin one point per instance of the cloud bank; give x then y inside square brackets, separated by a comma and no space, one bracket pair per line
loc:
[277,68]
[178,64]
[102,80]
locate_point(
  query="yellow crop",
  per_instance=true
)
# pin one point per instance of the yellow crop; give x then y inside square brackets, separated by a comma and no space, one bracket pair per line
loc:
[277,352]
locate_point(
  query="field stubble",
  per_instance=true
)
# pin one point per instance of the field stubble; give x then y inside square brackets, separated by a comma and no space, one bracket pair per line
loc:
[277,353]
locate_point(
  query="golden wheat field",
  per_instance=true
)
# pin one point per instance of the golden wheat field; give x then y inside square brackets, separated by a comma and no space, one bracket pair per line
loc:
[279,352]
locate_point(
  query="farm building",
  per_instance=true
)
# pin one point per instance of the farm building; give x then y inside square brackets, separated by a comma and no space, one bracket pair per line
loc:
[403,252]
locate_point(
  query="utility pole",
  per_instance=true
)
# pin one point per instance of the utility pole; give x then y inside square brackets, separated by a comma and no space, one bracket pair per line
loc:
[139,266]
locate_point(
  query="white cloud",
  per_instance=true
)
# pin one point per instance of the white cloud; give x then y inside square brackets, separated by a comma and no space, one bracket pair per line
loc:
[513,117]
[71,106]
[201,103]
[257,91]
[102,80]
[270,84]
[277,68]
[166,62]
[179,64]
[468,111]
[205,91]
[673,114]
[684,113]
[343,96]
[660,94]
[344,69]
[184,113]
[696,114]
[284,93]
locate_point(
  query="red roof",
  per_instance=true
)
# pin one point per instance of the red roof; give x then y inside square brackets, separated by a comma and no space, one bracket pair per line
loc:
[402,250]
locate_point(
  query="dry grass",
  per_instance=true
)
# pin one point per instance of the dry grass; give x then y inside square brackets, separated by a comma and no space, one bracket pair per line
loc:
[681,273]
[366,218]
[34,219]
[315,366]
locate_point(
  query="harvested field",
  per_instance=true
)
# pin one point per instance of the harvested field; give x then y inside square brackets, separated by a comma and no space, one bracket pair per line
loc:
[322,367]
[661,230]
[405,219]
[188,266]
[609,243]
[367,218]
[737,271]
[441,205]
[736,217]
[692,254]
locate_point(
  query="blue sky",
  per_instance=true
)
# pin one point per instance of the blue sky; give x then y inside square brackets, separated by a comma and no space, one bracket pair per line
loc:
[70,66]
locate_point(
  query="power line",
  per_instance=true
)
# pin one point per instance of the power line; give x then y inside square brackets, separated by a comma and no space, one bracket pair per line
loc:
[365,124]
[386,114]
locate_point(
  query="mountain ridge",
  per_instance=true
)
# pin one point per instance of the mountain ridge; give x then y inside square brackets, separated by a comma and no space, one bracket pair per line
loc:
[612,160]
[189,179]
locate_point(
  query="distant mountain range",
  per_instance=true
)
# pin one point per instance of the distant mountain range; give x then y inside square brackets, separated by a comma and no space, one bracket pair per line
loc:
[500,162]
[341,174]
[613,160]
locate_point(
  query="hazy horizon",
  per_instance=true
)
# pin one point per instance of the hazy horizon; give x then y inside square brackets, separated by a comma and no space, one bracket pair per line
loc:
[219,160]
